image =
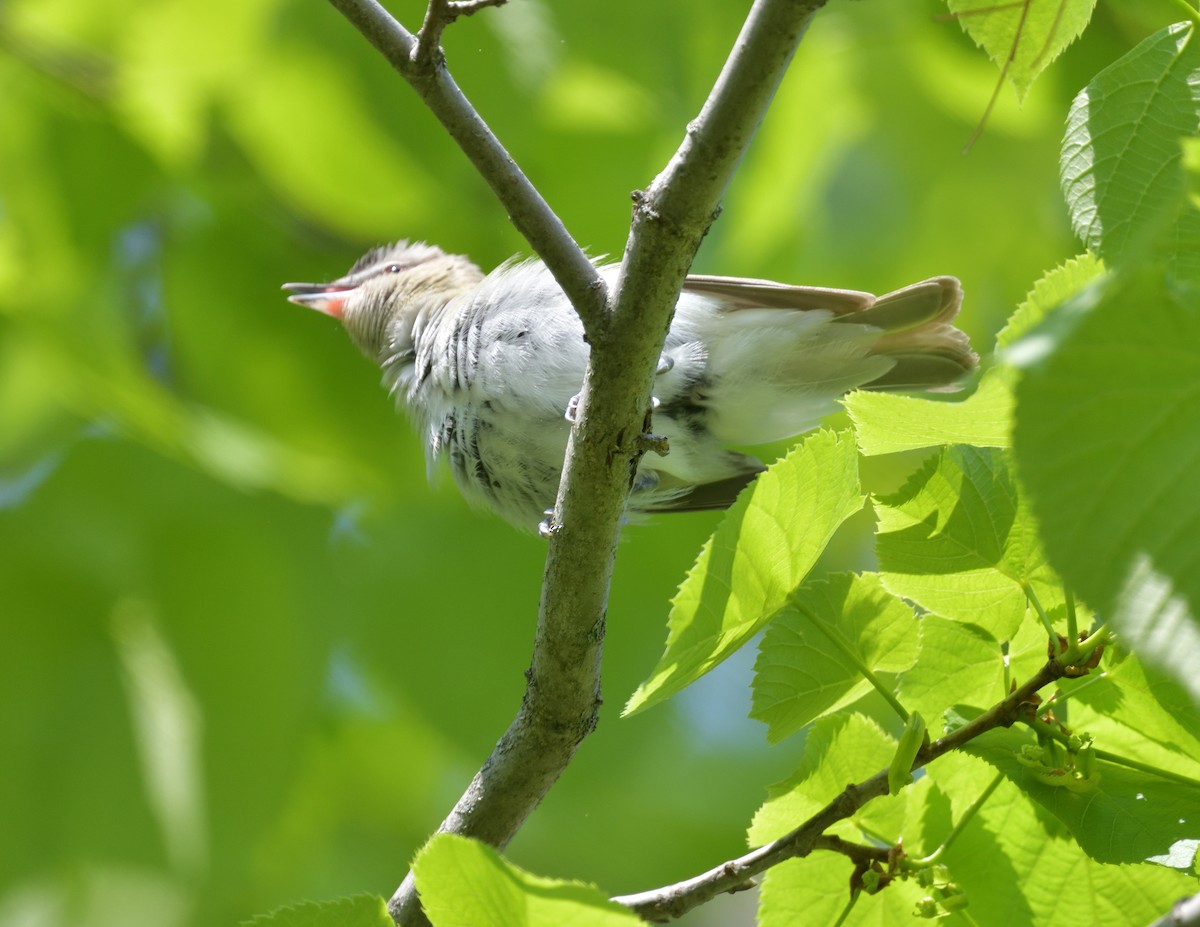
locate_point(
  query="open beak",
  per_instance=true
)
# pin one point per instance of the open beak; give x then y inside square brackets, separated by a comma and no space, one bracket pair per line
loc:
[329,298]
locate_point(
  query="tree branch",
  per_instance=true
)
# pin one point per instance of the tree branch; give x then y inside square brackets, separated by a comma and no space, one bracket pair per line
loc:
[671,901]
[531,215]
[562,699]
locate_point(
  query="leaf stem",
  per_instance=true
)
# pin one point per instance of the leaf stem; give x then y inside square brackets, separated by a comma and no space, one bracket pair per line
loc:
[1055,733]
[835,638]
[846,910]
[1188,10]
[1072,621]
[961,825]
[1063,695]
[1041,612]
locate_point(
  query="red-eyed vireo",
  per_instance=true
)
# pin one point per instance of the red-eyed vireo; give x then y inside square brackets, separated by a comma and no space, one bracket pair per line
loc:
[490,368]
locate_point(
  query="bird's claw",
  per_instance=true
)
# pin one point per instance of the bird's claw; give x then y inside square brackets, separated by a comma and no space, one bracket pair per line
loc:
[656,443]
[665,363]
[548,527]
[572,409]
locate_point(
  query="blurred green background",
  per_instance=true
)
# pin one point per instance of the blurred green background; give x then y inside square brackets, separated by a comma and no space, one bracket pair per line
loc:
[249,655]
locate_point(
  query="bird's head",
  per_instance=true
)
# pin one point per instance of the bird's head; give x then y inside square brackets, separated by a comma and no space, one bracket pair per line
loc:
[389,284]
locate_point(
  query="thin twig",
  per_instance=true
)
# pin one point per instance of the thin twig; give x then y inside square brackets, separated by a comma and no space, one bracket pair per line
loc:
[671,901]
[438,16]
[531,215]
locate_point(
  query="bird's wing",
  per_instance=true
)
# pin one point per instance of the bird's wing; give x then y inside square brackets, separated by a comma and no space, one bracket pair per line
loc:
[748,293]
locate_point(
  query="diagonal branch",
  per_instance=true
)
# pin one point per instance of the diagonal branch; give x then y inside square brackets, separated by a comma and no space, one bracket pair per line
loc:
[532,216]
[562,700]
[671,901]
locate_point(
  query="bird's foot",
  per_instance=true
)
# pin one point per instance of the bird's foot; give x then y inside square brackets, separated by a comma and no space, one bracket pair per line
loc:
[572,409]
[656,443]
[548,527]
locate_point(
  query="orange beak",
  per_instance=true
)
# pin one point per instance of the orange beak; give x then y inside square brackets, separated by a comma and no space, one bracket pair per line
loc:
[329,298]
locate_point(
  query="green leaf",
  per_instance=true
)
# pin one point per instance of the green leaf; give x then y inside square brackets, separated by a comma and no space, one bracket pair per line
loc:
[1023,37]
[1108,442]
[885,423]
[839,750]
[464,883]
[1121,155]
[1018,865]
[1138,712]
[268,117]
[1127,816]
[355,911]
[759,554]
[815,890]
[801,674]
[959,540]
[176,62]
[1050,291]
[959,664]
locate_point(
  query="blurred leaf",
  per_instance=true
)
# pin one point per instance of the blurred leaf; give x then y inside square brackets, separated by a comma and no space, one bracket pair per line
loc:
[178,59]
[1121,155]
[1108,442]
[464,883]
[959,540]
[760,553]
[800,674]
[586,98]
[341,169]
[1025,36]
[358,911]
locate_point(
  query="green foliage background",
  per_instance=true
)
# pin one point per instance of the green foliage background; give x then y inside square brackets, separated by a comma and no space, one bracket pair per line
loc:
[249,655]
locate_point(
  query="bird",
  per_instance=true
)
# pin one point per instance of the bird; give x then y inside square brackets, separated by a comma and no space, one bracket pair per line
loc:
[489,368]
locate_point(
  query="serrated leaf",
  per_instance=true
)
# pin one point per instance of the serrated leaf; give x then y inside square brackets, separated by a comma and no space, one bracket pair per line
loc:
[838,750]
[1108,442]
[355,911]
[1024,37]
[885,423]
[959,540]
[1121,154]
[801,673]
[1017,865]
[465,883]
[960,665]
[1050,291]
[1139,712]
[1128,816]
[759,554]
[815,890]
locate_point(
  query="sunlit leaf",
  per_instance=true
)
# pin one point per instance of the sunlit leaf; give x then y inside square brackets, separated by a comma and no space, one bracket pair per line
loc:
[1121,155]
[760,553]
[959,540]
[464,883]
[1023,36]
[885,423]
[810,657]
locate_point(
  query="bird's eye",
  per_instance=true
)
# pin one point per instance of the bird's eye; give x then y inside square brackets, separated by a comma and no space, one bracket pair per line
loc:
[394,268]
